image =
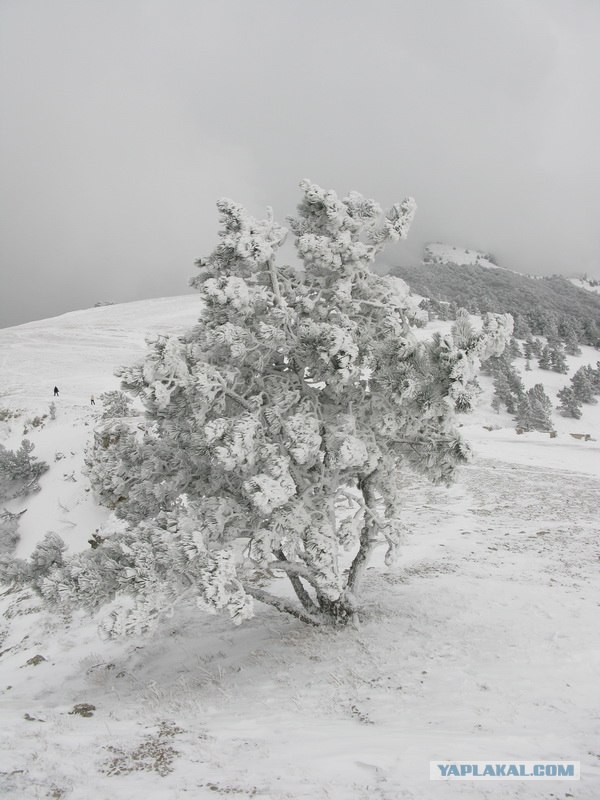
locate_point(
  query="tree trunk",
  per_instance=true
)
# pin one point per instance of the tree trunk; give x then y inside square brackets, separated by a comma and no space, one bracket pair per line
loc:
[368,536]
[337,612]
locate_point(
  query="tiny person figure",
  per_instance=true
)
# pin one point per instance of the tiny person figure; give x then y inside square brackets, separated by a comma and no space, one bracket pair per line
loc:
[92,401]
[56,391]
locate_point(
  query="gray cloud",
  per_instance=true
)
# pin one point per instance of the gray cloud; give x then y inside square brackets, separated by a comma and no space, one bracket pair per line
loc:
[124,122]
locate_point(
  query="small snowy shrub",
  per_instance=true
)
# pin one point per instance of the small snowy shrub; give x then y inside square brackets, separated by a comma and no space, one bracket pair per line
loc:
[9,531]
[278,428]
[19,471]
[6,414]
[34,422]
[115,404]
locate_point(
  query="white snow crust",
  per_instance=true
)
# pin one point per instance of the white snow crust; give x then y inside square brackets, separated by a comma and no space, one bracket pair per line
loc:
[481,642]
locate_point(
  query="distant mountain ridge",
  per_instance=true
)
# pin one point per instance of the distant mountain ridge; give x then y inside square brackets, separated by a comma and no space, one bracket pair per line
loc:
[587,284]
[439,253]
[472,279]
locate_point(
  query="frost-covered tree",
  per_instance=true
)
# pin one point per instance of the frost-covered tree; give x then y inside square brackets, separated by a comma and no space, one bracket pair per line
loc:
[583,387]
[115,404]
[463,333]
[595,376]
[591,333]
[114,465]
[550,328]
[558,360]
[508,386]
[278,428]
[452,310]
[545,358]
[569,404]
[570,336]
[528,346]
[536,347]
[503,393]
[462,330]
[552,357]
[534,410]
[515,348]
[521,328]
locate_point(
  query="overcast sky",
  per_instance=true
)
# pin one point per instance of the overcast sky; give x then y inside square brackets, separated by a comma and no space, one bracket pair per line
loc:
[123,121]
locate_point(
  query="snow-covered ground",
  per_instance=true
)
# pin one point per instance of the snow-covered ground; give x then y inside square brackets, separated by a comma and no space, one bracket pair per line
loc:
[582,283]
[481,643]
[535,448]
[439,253]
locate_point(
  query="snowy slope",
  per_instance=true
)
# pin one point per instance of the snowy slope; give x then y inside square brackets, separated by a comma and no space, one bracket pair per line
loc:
[438,253]
[78,352]
[536,448]
[582,283]
[482,642]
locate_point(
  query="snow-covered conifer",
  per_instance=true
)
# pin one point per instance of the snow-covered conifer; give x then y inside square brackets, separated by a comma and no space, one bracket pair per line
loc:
[534,410]
[594,374]
[462,330]
[545,358]
[521,327]
[571,341]
[515,348]
[115,404]
[508,386]
[278,427]
[583,387]
[536,347]
[569,406]
[462,334]
[558,361]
